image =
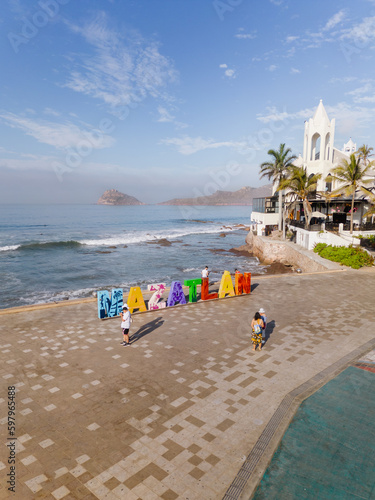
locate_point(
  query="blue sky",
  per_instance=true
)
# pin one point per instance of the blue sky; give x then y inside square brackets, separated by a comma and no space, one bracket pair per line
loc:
[172,98]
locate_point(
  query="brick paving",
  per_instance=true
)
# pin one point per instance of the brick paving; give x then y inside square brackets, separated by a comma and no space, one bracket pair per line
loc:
[175,414]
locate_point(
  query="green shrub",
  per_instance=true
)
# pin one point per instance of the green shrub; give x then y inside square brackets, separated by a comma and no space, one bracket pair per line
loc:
[348,256]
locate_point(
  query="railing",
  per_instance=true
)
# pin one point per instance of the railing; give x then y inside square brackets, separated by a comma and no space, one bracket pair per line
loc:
[311,227]
[334,226]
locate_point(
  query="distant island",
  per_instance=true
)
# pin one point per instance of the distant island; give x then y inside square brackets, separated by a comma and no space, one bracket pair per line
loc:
[114,197]
[243,196]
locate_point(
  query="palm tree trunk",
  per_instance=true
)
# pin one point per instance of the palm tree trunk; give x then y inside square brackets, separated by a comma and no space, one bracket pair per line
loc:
[305,209]
[280,210]
[352,214]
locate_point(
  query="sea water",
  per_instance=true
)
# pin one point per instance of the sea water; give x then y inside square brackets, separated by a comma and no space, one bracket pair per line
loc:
[59,252]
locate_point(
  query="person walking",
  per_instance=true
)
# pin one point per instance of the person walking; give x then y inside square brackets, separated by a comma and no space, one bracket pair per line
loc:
[125,324]
[263,314]
[257,326]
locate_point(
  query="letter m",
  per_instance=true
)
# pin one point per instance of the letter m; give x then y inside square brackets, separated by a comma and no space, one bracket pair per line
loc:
[109,306]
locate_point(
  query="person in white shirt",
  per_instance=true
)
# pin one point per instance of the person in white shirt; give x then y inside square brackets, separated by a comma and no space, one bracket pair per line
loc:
[205,272]
[262,312]
[125,324]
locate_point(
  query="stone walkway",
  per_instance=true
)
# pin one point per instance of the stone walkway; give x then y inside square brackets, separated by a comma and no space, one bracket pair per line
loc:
[175,414]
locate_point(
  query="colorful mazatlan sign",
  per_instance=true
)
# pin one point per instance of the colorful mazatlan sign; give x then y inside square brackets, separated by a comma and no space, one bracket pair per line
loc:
[110,306]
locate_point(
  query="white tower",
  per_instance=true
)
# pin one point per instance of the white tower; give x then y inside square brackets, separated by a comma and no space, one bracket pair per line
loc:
[318,154]
[349,147]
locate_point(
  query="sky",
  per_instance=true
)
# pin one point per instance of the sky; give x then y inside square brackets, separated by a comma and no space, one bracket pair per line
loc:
[172,98]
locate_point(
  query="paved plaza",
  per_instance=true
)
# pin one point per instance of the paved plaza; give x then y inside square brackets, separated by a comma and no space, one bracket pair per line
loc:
[179,412]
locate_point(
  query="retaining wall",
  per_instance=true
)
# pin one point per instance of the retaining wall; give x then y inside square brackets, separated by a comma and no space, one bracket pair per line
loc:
[286,252]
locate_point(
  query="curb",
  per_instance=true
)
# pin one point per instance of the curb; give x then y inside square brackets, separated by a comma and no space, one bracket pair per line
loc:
[249,476]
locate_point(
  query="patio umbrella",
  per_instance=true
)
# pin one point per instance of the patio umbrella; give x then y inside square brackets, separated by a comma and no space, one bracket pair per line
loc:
[319,215]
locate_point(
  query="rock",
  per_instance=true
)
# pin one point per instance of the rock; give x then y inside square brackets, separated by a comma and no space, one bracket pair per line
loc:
[222,235]
[125,246]
[114,197]
[164,242]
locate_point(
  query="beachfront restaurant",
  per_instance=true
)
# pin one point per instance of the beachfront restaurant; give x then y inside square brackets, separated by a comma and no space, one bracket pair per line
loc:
[327,214]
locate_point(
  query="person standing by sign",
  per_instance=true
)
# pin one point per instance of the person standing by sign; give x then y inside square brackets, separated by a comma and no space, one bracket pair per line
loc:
[205,272]
[125,324]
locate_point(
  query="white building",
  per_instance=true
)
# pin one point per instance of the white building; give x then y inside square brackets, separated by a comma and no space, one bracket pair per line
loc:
[319,157]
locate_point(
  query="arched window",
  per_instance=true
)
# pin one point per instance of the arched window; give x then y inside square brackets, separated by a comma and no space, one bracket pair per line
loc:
[315,147]
[326,146]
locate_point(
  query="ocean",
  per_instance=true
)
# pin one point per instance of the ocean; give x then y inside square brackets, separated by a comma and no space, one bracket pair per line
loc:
[60,252]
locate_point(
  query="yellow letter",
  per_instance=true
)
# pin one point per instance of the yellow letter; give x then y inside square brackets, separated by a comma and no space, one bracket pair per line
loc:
[226,285]
[136,300]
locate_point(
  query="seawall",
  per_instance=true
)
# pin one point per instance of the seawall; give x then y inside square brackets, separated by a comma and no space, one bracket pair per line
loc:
[268,250]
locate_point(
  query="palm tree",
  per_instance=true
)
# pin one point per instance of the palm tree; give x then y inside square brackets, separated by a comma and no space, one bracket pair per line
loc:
[277,170]
[352,175]
[364,153]
[301,185]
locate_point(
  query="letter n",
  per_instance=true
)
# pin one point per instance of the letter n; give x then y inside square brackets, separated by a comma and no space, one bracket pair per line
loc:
[247,283]
[238,285]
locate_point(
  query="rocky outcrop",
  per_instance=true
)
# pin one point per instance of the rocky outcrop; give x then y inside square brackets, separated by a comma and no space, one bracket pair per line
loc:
[114,197]
[243,196]
[270,251]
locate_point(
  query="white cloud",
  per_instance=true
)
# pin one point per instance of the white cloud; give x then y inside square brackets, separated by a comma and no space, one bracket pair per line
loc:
[122,69]
[364,94]
[246,36]
[164,115]
[230,73]
[334,20]
[51,112]
[188,145]
[272,67]
[349,119]
[58,135]
[290,38]
[295,71]
[23,164]
[362,32]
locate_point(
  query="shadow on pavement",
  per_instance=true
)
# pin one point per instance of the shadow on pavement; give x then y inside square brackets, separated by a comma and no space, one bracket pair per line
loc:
[147,328]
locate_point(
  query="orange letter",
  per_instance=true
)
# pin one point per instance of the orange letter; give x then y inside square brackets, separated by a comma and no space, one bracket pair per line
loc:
[205,295]
[238,280]
[247,283]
